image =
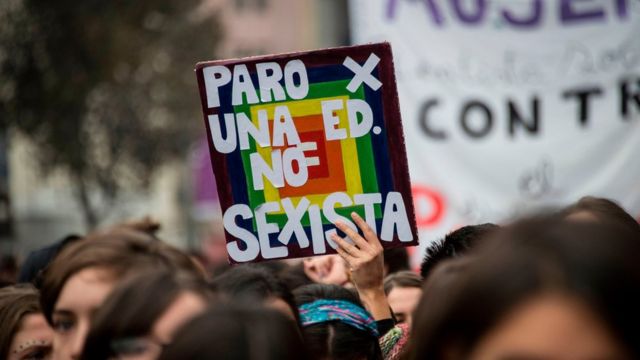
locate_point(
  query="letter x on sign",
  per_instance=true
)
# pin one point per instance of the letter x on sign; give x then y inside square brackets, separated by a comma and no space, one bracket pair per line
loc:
[362,74]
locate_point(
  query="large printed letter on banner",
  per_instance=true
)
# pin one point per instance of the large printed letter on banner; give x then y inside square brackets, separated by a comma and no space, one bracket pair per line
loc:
[299,141]
[511,106]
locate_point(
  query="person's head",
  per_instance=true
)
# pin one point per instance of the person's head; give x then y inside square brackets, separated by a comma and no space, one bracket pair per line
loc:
[237,331]
[24,333]
[541,289]
[142,314]
[38,260]
[335,324]
[294,276]
[254,283]
[594,209]
[79,279]
[403,290]
[455,244]
[395,259]
[445,275]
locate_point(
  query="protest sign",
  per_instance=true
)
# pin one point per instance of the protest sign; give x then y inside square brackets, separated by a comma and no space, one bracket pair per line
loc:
[299,141]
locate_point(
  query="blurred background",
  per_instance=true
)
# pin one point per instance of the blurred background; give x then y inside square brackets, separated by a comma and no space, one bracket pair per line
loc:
[100,114]
[507,106]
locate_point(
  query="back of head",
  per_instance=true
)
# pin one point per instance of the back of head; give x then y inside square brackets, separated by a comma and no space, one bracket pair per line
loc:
[295,276]
[231,332]
[396,259]
[595,264]
[453,245]
[15,302]
[38,260]
[120,252]
[330,336]
[602,210]
[134,306]
[247,281]
[250,283]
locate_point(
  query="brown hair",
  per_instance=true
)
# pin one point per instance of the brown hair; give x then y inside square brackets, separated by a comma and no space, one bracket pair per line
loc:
[134,306]
[15,302]
[605,210]
[120,252]
[404,279]
[237,331]
[592,262]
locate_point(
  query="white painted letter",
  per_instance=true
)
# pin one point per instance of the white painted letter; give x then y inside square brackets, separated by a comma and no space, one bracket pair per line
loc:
[294,222]
[300,91]
[245,127]
[330,120]
[395,216]
[252,245]
[317,237]
[214,77]
[283,125]
[265,228]
[369,200]
[260,168]
[355,107]
[270,82]
[242,85]
[288,157]
[227,145]
[329,211]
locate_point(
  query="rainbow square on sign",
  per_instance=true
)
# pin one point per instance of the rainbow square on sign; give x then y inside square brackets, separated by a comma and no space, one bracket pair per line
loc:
[338,116]
[343,169]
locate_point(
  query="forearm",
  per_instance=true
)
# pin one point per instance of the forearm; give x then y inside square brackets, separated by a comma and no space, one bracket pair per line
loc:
[375,301]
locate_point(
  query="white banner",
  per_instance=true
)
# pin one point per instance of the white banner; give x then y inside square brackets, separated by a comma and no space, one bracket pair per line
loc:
[510,106]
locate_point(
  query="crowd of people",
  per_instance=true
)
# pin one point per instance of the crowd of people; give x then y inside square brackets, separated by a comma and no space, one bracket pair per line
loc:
[561,285]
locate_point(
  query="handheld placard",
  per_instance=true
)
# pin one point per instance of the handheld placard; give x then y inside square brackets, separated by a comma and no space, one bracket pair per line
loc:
[299,141]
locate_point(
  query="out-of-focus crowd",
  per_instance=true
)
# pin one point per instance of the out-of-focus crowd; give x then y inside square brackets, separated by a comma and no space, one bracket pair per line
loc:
[560,285]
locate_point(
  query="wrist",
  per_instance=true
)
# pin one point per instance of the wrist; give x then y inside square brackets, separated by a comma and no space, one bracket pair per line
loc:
[375,301]
[375,292]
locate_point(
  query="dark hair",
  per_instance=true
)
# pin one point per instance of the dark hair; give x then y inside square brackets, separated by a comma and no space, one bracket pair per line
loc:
[335,339]
[38,260]
[453,245]
[445,274]
[253,282]
[594,263]
[121,252]
[233,331]
[16,302]
[402,279]
[8,270]
[295,277]
[134,306]
[396,259]
[605,210]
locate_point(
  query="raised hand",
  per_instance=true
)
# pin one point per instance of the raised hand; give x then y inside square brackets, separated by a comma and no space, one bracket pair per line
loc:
[366,264]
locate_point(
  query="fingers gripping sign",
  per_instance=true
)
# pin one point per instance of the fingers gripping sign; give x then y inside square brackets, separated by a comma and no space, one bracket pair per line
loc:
[364,257]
